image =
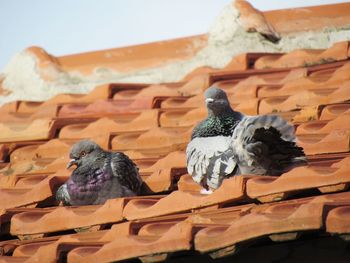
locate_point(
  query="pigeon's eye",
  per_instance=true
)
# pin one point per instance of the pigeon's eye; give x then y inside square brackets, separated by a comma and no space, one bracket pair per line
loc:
[82,154]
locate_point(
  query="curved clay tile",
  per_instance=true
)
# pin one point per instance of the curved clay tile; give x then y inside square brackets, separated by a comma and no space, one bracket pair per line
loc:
[301,58]
[182,117]
[179,201]
[123,123]
[39,129]
[166,139]
[304,98]
[342,122]
[268,188]
[177,237]
[253,20]
[334,142]
[174,159]
[337,221]
[334,110]
[29,196]
[53,220]
[278,218]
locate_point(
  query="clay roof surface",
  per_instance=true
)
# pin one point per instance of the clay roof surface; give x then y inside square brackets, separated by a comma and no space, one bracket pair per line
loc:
[292,217]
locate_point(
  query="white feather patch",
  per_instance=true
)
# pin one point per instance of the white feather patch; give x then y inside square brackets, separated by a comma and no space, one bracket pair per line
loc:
[210,160]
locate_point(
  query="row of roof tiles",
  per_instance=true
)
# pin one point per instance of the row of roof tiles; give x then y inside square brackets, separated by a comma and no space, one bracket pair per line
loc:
[216,231]
[152,123]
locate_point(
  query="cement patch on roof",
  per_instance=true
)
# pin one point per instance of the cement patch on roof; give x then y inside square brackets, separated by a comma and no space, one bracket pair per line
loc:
[25,80]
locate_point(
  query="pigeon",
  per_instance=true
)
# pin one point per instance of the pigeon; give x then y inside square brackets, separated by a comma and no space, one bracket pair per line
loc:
[99,175]
[228,143]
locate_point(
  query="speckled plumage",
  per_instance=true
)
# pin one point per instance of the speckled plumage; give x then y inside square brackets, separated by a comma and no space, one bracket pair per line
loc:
[99,176]
[228,143]
[215,126]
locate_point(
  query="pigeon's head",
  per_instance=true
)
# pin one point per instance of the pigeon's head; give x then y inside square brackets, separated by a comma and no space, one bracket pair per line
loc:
[216,101]
[83,153]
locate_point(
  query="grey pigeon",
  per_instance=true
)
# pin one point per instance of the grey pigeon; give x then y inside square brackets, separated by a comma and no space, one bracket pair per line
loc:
[228,143]
[98,176]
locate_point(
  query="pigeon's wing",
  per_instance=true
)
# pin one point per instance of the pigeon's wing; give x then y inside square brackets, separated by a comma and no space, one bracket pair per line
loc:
[265,145]
[126,171]
[62,195]
[210,160]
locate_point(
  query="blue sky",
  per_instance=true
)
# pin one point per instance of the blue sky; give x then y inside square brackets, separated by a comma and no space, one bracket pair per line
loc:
[74,26]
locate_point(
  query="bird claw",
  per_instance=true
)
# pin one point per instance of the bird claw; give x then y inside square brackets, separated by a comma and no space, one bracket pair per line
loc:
[206,192]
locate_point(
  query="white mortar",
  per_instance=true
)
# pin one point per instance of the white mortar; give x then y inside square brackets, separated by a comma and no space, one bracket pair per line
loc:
[226,40]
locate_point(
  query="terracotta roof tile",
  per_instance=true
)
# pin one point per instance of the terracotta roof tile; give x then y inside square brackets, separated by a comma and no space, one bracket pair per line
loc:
[334,142]
[39,129]
[268,188]
[53,220]
[152,123]
[262,221]
[304,98]
[337,221]
[182,117]
[300,58]
[176,237]
[168,139]
[39,192]
[179,201]
[162,180]
[332,111]
[142,121]
[342,122]
[175,159]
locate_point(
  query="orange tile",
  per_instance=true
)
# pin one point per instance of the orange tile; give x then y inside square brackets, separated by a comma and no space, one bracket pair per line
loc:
[175,159]
[195,85]
[51,248]
[183,102]
[182,117]
[334,110]
[53,220]
[179,201]
[162,180]
[301,58]
[4,152]
[274,219]
[156,90]
[302,99]
[40,129]
[161,139]
[307,113]
[187,184]
[8,108]
[319,17]
[342,122]
[53,149]
[334,142]
[100,92]
[268,188]
[274,74]
[337,221]
[176,237]
[102,108]
[136,57]
[7,259]
[142,121]
[30,196]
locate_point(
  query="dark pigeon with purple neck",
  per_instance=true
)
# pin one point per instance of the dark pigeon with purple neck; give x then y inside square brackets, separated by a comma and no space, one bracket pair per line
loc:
[99,175]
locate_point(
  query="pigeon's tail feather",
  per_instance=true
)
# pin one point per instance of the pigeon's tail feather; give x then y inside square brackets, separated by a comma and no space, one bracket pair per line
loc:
[62,195]
[266,121]
[266,145]
[209,160]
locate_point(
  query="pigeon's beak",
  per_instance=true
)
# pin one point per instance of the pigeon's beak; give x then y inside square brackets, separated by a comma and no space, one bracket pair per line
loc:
[209,100]
[71,163]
